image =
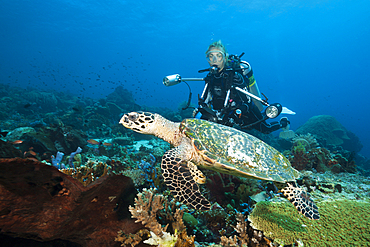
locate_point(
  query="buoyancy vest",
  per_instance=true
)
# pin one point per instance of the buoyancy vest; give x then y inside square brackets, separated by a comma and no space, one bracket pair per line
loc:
[220,83]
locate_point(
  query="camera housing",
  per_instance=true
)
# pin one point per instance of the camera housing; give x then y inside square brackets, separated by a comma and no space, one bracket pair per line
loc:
[171,80]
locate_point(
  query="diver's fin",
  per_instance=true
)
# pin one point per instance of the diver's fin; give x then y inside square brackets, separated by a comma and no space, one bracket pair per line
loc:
[287,111]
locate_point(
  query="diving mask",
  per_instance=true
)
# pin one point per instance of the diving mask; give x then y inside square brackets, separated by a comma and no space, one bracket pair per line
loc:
[214,56]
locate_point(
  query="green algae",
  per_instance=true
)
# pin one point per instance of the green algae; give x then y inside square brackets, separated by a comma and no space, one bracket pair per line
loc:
[342,223]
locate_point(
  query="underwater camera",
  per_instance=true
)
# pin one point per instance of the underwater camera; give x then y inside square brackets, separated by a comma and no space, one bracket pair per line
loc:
[171,80]
[175,79]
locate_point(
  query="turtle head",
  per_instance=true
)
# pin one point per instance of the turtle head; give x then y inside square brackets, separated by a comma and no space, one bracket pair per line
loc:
[141,122]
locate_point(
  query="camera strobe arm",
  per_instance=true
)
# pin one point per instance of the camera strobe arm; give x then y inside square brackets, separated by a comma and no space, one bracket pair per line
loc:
[192,79]
[264,102]
[272,111]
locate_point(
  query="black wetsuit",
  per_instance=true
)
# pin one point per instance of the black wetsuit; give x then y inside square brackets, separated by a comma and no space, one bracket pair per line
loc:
[218,86]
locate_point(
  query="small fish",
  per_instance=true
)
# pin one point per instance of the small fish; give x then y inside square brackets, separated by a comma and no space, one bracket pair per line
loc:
[17,142]
[108,144]
[93,142]
[29,153]
[27,105]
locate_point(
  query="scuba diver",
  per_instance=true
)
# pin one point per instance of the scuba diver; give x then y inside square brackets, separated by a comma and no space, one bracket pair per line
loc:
[223,102]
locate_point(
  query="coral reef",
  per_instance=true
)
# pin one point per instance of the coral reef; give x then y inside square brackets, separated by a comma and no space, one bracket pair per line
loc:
[7,150]
[88,205]
[88,173]
[305,142]
[72,156]
[47,139]
[147,204]
[330,132]
[147,208]
[149,171]
[342,223]
[246,235]
[320,159]
[135,175]
[306,155]
[241,229]
[219,184]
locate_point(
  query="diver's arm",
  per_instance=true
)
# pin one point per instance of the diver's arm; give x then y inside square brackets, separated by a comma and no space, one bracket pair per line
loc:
[206,94]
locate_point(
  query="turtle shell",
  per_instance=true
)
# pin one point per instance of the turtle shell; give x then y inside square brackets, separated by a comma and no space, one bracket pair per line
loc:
[234,152]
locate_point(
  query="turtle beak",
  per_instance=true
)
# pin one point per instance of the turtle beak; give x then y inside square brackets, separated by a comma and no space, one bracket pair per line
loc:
[126,120]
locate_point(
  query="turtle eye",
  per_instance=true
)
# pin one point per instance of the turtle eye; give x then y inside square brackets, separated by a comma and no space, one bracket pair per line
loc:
[133,116]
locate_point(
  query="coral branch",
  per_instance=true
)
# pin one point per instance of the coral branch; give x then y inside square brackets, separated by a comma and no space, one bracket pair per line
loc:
[146,207]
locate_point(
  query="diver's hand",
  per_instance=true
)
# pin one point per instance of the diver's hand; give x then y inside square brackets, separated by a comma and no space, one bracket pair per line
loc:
[195,112]
[284,121]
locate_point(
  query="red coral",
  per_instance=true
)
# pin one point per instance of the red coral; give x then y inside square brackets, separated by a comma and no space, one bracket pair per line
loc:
[299,160]
[219,184]
[332,162]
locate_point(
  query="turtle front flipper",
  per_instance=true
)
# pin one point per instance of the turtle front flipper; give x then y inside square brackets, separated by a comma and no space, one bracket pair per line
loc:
[302,201]
[179,180]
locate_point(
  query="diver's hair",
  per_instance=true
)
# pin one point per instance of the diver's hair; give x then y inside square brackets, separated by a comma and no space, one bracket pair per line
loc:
[221,47]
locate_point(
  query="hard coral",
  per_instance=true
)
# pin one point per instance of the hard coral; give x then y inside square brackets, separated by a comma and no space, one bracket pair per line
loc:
[319,159]
[147,204]
[306,142]
[347,164]
[215,221]
[167,240]
[299,159]
[132,239]
[342,223]
[241,229]
[89,172]
[247,236]
[135,175]
[148,207]
[326,128]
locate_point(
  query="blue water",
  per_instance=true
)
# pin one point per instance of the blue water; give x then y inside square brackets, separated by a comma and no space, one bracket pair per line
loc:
[311,56]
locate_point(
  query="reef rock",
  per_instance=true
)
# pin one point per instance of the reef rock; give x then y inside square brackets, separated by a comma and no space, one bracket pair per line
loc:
[122,98]
[47,139]
[18,133]
[7,150]
[39,202]
[332,132]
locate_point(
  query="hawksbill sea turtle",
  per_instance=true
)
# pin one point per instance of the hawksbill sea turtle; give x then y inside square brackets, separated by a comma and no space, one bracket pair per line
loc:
[220,148]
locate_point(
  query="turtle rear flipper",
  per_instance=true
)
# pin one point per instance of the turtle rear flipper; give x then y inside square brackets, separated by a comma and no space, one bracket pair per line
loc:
[180,181]
[302,201]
